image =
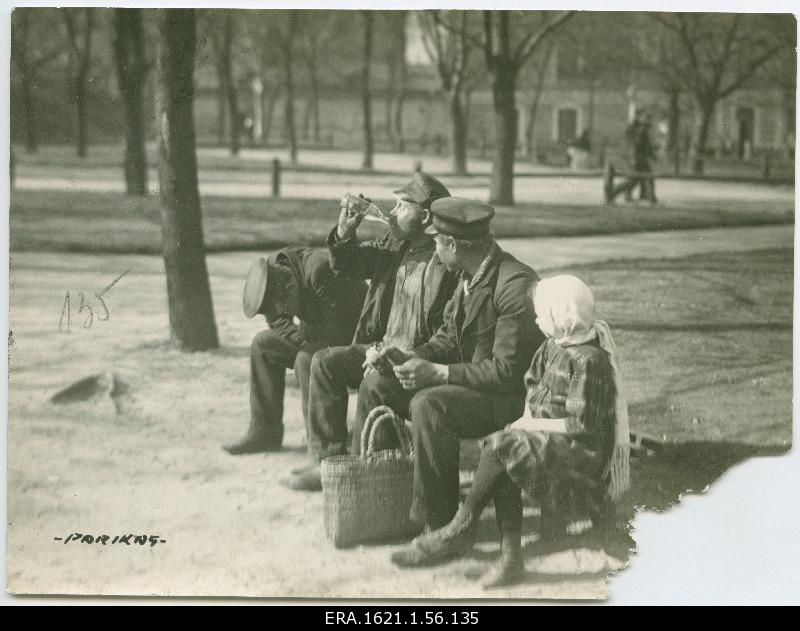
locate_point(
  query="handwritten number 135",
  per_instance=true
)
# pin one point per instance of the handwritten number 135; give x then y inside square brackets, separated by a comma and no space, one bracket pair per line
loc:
[84,305]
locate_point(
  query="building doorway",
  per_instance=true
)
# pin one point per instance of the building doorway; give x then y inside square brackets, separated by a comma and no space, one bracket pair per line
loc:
[745,117]
[567,125]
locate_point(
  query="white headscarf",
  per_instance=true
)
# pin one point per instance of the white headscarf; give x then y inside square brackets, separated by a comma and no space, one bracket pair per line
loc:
[565,311]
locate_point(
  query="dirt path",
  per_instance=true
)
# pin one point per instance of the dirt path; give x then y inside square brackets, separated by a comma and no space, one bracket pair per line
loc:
[152,463]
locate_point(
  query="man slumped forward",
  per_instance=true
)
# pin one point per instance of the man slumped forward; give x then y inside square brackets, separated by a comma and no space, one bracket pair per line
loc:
[294,282]
[409,288]
[467,380]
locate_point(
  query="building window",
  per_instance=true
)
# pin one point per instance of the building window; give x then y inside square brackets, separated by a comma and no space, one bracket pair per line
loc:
[566,124]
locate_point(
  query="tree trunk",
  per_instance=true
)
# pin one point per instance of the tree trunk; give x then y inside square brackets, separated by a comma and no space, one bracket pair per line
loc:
[230,84]
[315,100]
[541,75]
[29,105]
[268,113]
[789,123]
[402,89]
[673,140]
[505,136]
[707,113]
[222,109]
[389,104]
[81,58]
[369,149]
[291,131]
[458,131]
[530,145]
[80,106]
[191,312]
[131,76]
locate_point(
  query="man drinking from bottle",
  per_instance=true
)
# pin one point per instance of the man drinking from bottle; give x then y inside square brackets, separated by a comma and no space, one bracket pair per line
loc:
[409,288]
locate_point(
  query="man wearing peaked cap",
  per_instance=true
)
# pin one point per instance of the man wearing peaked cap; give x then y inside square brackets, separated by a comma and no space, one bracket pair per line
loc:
[409,288]
[467,380]
[461,218]
[294,282]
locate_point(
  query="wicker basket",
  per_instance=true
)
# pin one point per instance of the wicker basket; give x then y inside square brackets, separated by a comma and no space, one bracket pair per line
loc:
[367,498]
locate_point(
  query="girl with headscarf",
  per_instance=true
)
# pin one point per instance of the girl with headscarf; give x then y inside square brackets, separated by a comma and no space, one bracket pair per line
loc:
[569,452]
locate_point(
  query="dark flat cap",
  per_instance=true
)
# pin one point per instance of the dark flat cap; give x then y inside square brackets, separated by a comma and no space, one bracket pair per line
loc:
[461,218]
[262,275]
[423,189]
[255,287]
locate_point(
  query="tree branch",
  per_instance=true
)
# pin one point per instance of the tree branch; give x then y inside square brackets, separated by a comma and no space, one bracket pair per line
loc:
[472,39]
[701,87]
[532,41]
[748,72]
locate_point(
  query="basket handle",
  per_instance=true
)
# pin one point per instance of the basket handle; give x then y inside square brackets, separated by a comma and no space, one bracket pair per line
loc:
[378,415]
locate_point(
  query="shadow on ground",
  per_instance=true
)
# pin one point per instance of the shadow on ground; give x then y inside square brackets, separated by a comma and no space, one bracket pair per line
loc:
[658,482]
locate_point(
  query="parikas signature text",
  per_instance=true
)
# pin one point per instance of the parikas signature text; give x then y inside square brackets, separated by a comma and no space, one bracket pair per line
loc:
[104,540]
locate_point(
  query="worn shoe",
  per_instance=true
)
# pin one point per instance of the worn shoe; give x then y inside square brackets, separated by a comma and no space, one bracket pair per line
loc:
[453,540]
[507,570]
[307,480]
[253,443]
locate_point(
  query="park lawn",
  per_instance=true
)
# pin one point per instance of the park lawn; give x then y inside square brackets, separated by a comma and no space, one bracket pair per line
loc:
[312,159]
[706,350]
[84,221]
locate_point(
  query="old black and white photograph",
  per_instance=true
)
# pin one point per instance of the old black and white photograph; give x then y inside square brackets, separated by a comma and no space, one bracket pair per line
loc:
[370,303]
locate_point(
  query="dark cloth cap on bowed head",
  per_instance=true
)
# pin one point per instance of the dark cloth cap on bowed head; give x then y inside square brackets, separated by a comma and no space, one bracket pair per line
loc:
[264,275]
[423,189]
[460,218]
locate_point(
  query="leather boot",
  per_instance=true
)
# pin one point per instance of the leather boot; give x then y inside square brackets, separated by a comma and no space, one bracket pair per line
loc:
[453,540]
[255,441]
[510,567]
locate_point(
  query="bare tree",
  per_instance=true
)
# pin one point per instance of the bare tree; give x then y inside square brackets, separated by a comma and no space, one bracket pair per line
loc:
[445,37]
[541,63]
[504,61]
[191,312]
[369,148]
[80,27]
[283,30]
[30,54]
[720,53]
[219,27]
[318,27]
[391,32]
[782,70]
[263,55]
[132,70]
[402,82]
[506,49]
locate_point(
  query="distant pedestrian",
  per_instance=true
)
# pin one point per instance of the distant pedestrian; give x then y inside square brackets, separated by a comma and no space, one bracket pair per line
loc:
[640,151]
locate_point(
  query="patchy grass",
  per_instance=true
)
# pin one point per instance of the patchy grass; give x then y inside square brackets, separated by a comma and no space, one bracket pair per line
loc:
[706,350]
[110,222]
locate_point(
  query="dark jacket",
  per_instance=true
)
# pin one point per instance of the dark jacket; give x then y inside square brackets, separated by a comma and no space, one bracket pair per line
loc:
[329,304]
[378,261]
[488,339]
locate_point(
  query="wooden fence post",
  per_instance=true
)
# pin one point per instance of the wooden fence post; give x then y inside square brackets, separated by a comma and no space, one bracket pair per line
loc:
[608,183]
[276,178]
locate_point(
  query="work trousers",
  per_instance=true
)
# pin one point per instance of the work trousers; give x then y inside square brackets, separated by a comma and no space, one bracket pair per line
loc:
[441,417]
[333,371]
[270,356]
